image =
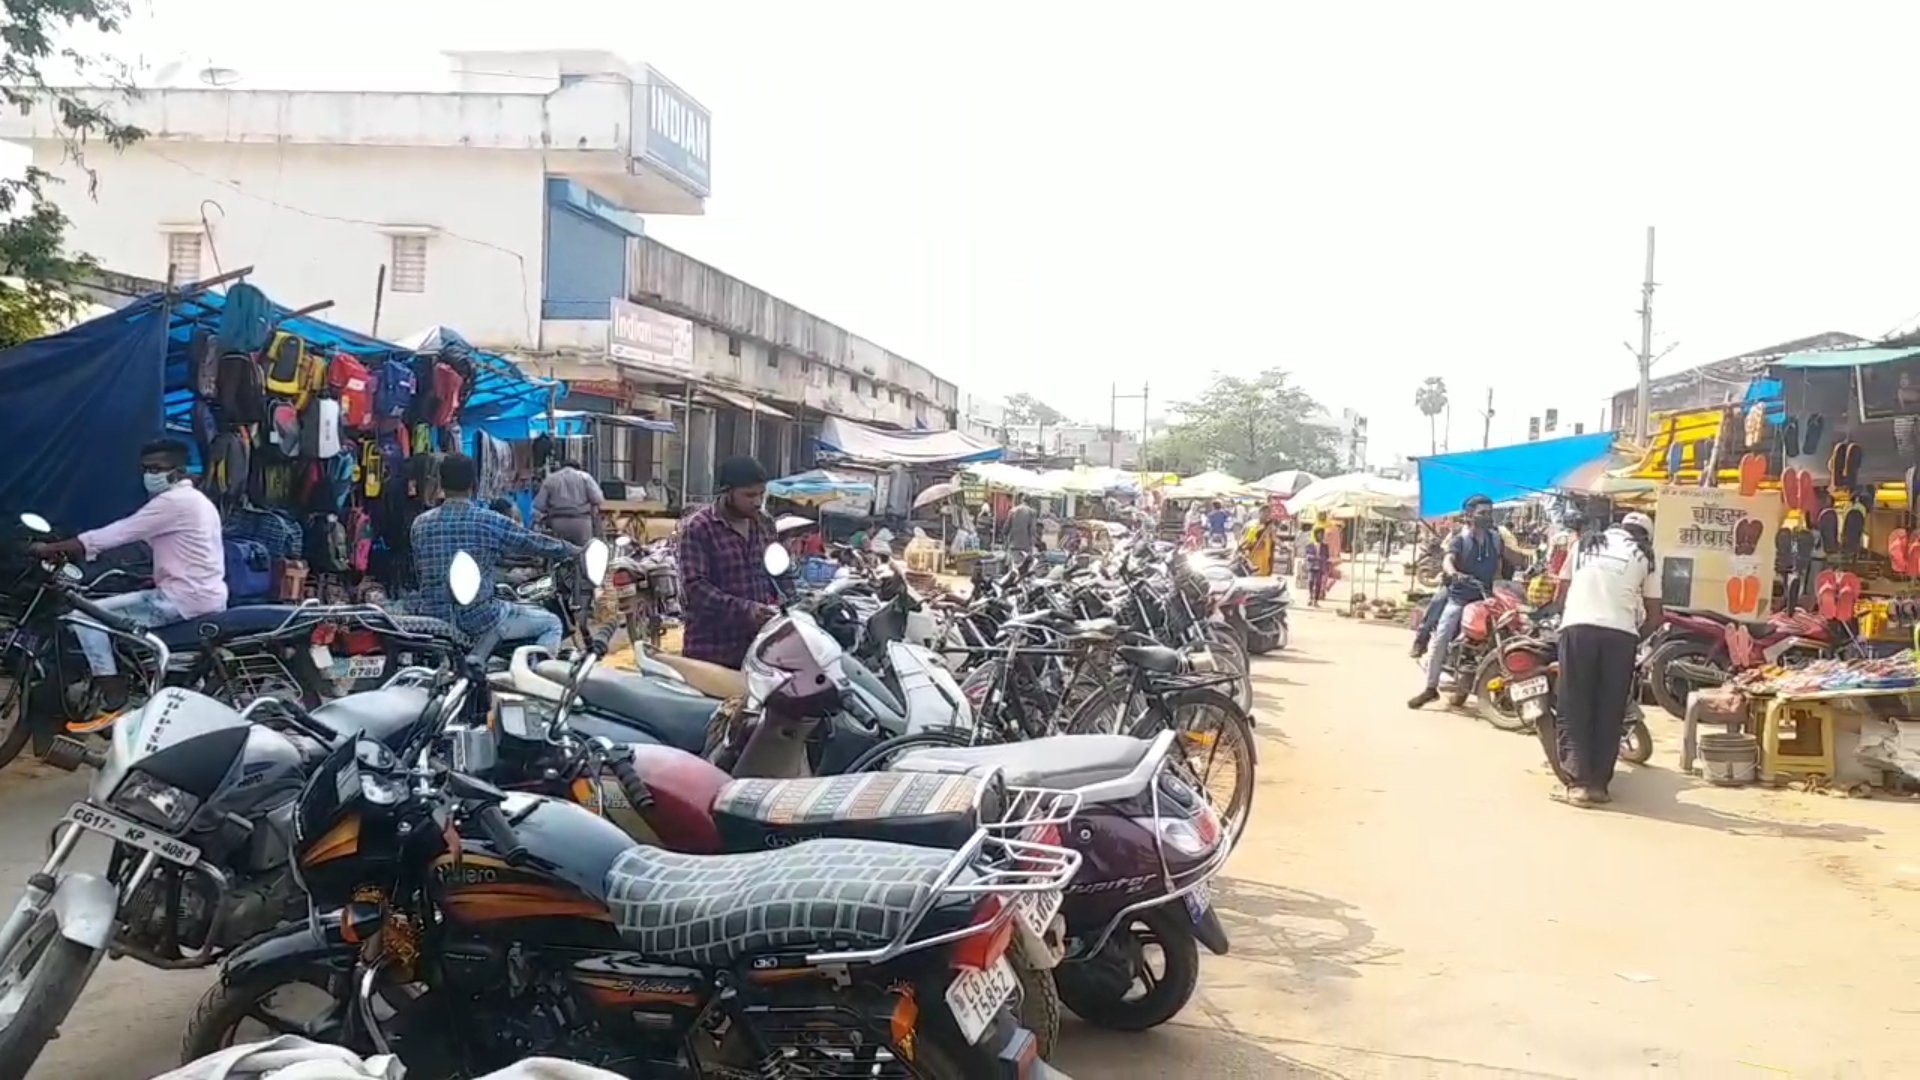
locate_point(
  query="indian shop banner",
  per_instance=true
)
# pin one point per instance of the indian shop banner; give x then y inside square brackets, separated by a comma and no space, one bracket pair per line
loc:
[1715,548]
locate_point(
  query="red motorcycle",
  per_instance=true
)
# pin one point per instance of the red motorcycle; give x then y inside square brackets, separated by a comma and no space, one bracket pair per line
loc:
[1697,649]
[1485,628]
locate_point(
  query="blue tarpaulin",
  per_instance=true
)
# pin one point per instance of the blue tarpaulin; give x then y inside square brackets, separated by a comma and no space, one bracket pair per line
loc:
[75,407]
[818,485]
[1506,472]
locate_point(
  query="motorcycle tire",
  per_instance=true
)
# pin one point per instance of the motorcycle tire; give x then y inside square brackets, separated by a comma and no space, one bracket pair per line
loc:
[1039,1000]
[61,971]
[1636,743]
[1260,644]
[1092,999]
[1669,693]
[14,705]
[212,1027]
[1494,706]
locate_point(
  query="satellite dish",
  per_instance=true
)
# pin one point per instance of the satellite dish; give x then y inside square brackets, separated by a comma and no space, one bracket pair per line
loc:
[219,76]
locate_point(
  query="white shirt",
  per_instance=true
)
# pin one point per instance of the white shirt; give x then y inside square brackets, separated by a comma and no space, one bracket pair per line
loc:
[1606,584]
[183,529]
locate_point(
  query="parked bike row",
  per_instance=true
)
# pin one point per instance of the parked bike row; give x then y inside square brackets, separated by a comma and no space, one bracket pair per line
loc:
[896,843]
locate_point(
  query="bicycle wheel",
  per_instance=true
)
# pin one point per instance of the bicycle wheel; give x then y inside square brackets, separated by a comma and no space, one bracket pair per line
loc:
[1230,657]
[1216,742]
[881,755]
[1107,711]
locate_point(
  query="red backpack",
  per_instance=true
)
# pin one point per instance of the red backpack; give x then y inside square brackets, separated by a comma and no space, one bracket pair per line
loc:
[446,394]
[354,386]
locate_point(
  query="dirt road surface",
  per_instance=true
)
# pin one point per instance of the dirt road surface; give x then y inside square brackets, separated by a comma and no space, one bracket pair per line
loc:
[1409,903]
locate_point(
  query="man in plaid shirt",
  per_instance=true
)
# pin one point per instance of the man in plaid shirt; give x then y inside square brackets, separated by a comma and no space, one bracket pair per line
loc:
[460,524]
[723,578]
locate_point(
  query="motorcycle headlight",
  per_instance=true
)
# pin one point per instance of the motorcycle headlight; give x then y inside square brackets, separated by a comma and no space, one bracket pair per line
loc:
[154,802]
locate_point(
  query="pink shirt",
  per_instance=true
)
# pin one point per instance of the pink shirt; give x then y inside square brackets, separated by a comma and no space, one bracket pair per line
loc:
[183,528]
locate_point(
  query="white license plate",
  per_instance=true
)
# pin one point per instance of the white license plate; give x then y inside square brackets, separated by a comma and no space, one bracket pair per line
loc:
[976,997]
[1199,901]
[1036,912]
[1533,710]
[94,819]
[1528,688]
[359,667]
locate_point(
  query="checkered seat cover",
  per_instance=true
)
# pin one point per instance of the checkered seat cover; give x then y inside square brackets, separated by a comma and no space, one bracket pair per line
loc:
[820,896]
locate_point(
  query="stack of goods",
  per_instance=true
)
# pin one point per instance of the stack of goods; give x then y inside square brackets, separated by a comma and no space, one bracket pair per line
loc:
[340,447]
[1896,672]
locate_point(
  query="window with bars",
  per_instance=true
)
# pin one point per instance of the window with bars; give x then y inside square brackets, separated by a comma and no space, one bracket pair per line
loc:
[407,271]
[183,254]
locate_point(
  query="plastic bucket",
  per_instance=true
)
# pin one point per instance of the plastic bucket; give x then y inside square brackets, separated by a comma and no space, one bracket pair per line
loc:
[1729,760]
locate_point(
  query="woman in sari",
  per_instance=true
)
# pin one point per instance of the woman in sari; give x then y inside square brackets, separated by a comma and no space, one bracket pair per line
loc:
[1260,540]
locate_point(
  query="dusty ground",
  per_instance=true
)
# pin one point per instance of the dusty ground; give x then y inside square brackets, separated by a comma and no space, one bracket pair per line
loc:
[1408,903]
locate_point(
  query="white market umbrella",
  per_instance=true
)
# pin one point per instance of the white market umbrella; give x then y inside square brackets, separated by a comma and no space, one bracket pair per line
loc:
[1358,491]
[1206,485]
[934,493]
[1285,483]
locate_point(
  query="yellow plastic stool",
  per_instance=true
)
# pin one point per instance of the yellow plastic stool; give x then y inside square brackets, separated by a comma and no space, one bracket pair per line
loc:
[1807,746]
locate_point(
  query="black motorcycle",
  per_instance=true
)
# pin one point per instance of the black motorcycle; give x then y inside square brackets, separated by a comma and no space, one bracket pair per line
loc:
[1533,683]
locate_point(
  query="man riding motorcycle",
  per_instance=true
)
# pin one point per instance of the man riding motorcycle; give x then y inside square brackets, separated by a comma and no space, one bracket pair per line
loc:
[1471,565]
[460,524]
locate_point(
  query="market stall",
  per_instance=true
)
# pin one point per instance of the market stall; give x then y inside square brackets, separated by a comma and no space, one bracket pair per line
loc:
[319,445]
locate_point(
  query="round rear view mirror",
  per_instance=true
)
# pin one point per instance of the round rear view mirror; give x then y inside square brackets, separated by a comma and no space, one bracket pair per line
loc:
[36,524]
[594,561]
[776,560]
[463,578]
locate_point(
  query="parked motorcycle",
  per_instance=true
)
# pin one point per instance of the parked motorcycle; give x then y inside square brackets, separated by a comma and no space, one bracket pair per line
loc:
[646,585]
[1698,649]
[492,926]
[1534,664]
[1255,607]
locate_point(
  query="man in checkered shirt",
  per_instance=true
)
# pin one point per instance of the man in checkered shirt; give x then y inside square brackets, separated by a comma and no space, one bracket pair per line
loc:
[460,524]
[723,575]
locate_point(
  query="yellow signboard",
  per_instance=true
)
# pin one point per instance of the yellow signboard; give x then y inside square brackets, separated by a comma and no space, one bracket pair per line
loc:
[1715,548]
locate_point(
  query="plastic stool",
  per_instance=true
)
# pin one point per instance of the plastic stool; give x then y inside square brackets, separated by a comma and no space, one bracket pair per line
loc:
[1807,746]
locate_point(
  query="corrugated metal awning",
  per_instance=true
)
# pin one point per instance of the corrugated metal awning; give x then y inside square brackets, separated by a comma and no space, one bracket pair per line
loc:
[745,404]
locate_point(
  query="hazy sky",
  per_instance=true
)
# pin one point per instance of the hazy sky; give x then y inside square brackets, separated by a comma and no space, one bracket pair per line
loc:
[1054,196]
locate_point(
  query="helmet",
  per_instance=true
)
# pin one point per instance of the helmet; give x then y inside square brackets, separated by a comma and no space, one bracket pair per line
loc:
[1637,520]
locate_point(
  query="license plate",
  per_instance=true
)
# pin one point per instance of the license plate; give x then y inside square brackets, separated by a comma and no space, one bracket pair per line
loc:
[1199,901]
[359,667]
[625,591]
[1036,912]
[94,819]
[1201,661]
[1533,710]
[976,997]
[1528,688]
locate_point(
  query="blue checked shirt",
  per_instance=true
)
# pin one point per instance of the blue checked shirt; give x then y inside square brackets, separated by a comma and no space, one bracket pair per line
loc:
[463,525]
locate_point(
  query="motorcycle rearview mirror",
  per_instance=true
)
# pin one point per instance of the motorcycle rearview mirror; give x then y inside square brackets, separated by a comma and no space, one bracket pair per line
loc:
[463,579]
[776,560]
[36,524]
[594,561]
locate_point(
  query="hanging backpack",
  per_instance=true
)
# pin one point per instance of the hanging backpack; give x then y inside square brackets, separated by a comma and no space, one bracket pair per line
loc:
[320,428]
[203,364]
[350,382]
[283,429]
[225,478]
[446,394]
[327,549]
[393,393]
[246,319]
[286,362]
[359,538]
[423,476]
[370,470]
[240,389]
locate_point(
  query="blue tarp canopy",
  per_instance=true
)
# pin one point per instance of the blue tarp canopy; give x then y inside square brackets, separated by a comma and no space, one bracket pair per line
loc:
[1504,473]
[816,485]
[77,405]
[1861,357]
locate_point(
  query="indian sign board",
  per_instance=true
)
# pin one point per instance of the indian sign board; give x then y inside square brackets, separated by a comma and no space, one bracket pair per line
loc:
[1715,548]
[673,132]
[648,338]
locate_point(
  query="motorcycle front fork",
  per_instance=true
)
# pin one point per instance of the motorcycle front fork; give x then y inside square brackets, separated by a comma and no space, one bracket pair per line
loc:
[42,885]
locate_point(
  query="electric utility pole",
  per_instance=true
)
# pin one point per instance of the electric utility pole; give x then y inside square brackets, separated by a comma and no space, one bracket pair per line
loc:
[1113,425]
[1643,400]
[1486,422]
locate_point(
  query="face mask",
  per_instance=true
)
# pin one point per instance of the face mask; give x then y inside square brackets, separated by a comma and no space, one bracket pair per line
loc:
[157,482]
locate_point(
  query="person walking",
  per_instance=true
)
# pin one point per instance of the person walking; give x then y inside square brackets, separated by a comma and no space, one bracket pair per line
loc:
[1609,592]
[568,504]
[723,574]
[1023,527]
[1218,519]
[1469,568]
[1260,542]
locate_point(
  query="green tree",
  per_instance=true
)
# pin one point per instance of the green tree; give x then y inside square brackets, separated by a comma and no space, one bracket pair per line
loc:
[1431,400]
[1024,408]
[34,262]
[1249,428]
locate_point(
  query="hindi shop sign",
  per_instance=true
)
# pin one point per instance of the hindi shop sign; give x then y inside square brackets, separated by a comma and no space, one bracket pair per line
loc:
[678,132]
[1715,548]
[649,338]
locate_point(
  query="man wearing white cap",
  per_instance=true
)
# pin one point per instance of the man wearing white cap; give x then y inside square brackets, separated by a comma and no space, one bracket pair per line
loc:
[1609,591]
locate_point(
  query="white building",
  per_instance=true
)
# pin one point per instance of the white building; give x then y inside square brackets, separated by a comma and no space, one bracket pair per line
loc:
[1088,444]
[508,207]
[982,416]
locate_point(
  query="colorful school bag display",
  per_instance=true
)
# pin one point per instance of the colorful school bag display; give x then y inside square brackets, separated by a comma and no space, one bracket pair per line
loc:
[353,385]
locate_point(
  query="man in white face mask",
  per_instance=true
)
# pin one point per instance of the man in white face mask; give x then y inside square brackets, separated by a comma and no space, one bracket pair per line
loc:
[189,566]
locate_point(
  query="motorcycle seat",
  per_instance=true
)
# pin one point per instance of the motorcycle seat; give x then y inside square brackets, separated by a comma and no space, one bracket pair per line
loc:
[439,629]
[1155,658]
[233,622]
[1255,586]
[1058,762]
[826,895]
[673,713]
[710,679]
[921,808]
[385,716]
